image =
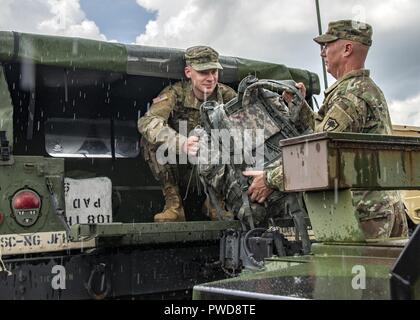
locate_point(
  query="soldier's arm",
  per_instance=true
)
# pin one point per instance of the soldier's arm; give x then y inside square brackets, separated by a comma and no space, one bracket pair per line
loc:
[273,178]
[306,117]
[347,114]
[154,124]
[258,190]
[265,182]
[302,115]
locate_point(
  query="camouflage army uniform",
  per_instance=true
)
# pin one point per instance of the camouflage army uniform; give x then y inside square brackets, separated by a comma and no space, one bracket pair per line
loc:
[355,104]
[174,104]
[160,125]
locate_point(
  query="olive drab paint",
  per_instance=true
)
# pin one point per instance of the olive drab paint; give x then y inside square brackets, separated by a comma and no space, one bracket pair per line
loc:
[6,108]
[73,117]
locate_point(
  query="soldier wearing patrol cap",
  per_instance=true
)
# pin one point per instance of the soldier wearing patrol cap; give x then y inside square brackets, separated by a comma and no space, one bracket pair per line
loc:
[179,103]
[354,103]
[348,30]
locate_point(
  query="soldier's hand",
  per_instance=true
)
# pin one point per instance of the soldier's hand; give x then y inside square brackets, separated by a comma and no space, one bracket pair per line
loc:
[258,191]
[190,146]
[288,96]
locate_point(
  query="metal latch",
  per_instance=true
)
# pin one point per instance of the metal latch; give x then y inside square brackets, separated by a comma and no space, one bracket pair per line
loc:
[57,203]
[5,149]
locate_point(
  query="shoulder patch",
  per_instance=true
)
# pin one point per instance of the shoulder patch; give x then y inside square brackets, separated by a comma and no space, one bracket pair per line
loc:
[160,98]
[330,125]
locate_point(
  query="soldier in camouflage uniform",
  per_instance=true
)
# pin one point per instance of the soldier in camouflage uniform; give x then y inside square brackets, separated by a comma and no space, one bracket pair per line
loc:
[352,104]
[161,124]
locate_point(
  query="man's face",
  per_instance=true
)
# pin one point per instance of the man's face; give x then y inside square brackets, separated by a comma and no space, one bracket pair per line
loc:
[332,54]
[204,82]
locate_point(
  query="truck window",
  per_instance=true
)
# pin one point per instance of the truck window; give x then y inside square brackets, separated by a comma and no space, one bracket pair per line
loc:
[92,139]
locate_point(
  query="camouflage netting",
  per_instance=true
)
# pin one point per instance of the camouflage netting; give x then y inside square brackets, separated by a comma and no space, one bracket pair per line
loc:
[134,59]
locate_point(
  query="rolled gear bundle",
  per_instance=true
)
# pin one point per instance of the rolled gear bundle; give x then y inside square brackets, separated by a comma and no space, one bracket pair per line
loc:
[254,122]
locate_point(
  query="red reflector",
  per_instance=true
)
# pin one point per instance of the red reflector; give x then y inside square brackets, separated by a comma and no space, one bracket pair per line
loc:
[1,217]
[26,200]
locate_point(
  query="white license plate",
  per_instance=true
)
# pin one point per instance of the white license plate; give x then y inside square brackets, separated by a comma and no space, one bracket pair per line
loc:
[88,200]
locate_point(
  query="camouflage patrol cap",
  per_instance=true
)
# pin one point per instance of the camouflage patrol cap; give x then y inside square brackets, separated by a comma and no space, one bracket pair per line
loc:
[349,30]
[202,58]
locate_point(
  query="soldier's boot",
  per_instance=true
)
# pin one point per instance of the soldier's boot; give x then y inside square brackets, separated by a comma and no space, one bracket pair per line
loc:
[173,210]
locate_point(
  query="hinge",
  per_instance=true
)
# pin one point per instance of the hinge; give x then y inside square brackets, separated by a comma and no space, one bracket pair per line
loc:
[5,149]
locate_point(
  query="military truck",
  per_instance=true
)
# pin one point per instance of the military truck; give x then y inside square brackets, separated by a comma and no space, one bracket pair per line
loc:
[343,264]
[76,196]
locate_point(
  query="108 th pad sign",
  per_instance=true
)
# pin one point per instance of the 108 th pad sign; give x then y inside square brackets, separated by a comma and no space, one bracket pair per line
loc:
[88,200]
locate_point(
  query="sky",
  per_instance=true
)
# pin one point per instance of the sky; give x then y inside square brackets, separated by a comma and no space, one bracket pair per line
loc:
[279,31]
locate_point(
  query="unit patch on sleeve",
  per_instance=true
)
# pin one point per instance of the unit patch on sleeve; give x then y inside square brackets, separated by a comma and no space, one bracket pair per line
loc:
[330,125]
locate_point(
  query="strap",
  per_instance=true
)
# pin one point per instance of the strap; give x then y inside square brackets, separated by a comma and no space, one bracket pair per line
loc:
[3,266]
[213,198]
[15,45]
[310,88]
[51,182]
[277,86]
[31,114]
[247,213]
[286,129]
